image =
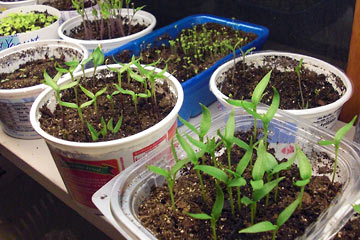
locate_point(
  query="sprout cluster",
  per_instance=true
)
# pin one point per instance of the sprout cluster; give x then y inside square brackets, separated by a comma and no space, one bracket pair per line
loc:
[266,170]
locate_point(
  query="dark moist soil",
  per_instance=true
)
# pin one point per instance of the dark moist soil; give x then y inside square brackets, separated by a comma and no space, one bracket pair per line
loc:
[66,5]
[185,65]
[316,90]
[78,32]
[155,212]
[31,73]
[351,231]
[132,123]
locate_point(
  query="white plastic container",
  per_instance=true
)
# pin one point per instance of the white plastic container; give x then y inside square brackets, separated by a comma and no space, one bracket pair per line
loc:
[119,199]
[142,17]
[7,5]
[325,116]
[49,32]
[15,104]
[76,161]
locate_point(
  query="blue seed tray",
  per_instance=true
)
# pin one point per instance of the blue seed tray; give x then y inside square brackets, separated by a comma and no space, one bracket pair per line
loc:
[196,89]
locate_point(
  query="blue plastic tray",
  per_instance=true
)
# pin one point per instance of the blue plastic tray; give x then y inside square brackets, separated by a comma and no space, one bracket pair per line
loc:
[196,89]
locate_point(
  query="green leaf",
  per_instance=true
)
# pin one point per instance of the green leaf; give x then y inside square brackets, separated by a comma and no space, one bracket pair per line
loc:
[68,85]
[87,92]
[342,131]
[357,208]
[241,143]
[201,216]
[93,132]
[219,203]
[270,162]
[325,142]
[304,164]
[301,183]
[258,184]
[237,182]
[100,92]
[246,201]
[50,82]
[189,125]
[284,165]
[98,56]
[118,124]
[69,104]
[235,102]
[178,165]
[259,165]
[260,88]
[287,212]
[86,104]
[187,148]
[159,171]
[205,123]
[196,143]
[213,171]
[273,107]
[244,161]
[230,127]
[268,187]
[259,227]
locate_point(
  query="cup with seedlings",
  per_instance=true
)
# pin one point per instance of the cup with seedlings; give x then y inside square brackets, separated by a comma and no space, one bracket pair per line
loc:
[270,183]
[91,124]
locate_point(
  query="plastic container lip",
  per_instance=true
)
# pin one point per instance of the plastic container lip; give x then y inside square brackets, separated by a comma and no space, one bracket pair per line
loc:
[317,110]
[34,116]
[123,187]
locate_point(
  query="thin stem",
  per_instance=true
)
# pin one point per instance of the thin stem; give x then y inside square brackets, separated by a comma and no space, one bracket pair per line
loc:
[335,164]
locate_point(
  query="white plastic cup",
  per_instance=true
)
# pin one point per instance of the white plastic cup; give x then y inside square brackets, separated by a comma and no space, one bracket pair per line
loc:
[142,17]
[15,104]
[49,32]
[7,5]
[85,167]
[325,116]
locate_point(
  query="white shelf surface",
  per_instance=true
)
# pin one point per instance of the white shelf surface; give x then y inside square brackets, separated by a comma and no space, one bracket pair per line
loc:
[34,158]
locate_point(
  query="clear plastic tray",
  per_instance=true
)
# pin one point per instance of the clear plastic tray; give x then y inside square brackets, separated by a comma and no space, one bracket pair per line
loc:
[118,200]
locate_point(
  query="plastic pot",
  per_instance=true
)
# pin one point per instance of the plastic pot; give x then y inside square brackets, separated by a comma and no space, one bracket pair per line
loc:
[7,5]
[15,104]
[196,89]
[140,17]
[85,167]
[49,32]
[325,116]
[119,199]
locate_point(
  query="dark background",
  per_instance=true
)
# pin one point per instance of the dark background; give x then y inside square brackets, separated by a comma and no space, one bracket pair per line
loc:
[319,28]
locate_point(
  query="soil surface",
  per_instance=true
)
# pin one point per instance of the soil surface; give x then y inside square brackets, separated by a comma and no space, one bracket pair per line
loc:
[155,212]
[351,231]
[203,48]
[31,73]
[95,33]
[317,91]
[68,125]
[66,5]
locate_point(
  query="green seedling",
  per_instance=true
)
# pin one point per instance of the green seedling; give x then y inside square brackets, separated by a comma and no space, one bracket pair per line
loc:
[297,70]
[208,147]
[94,134]
[52,82]
[305,172]
[134,96]
[74,106]
[265,226]
[93,97]
[72,66]
[205,123]
[223,177]
[215,212]
[244,54]
[233,49]
[98,58]
[194,158]
[336,142]
[170,176]
[240,168]
[255,98]
[116,128]
[266,117]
